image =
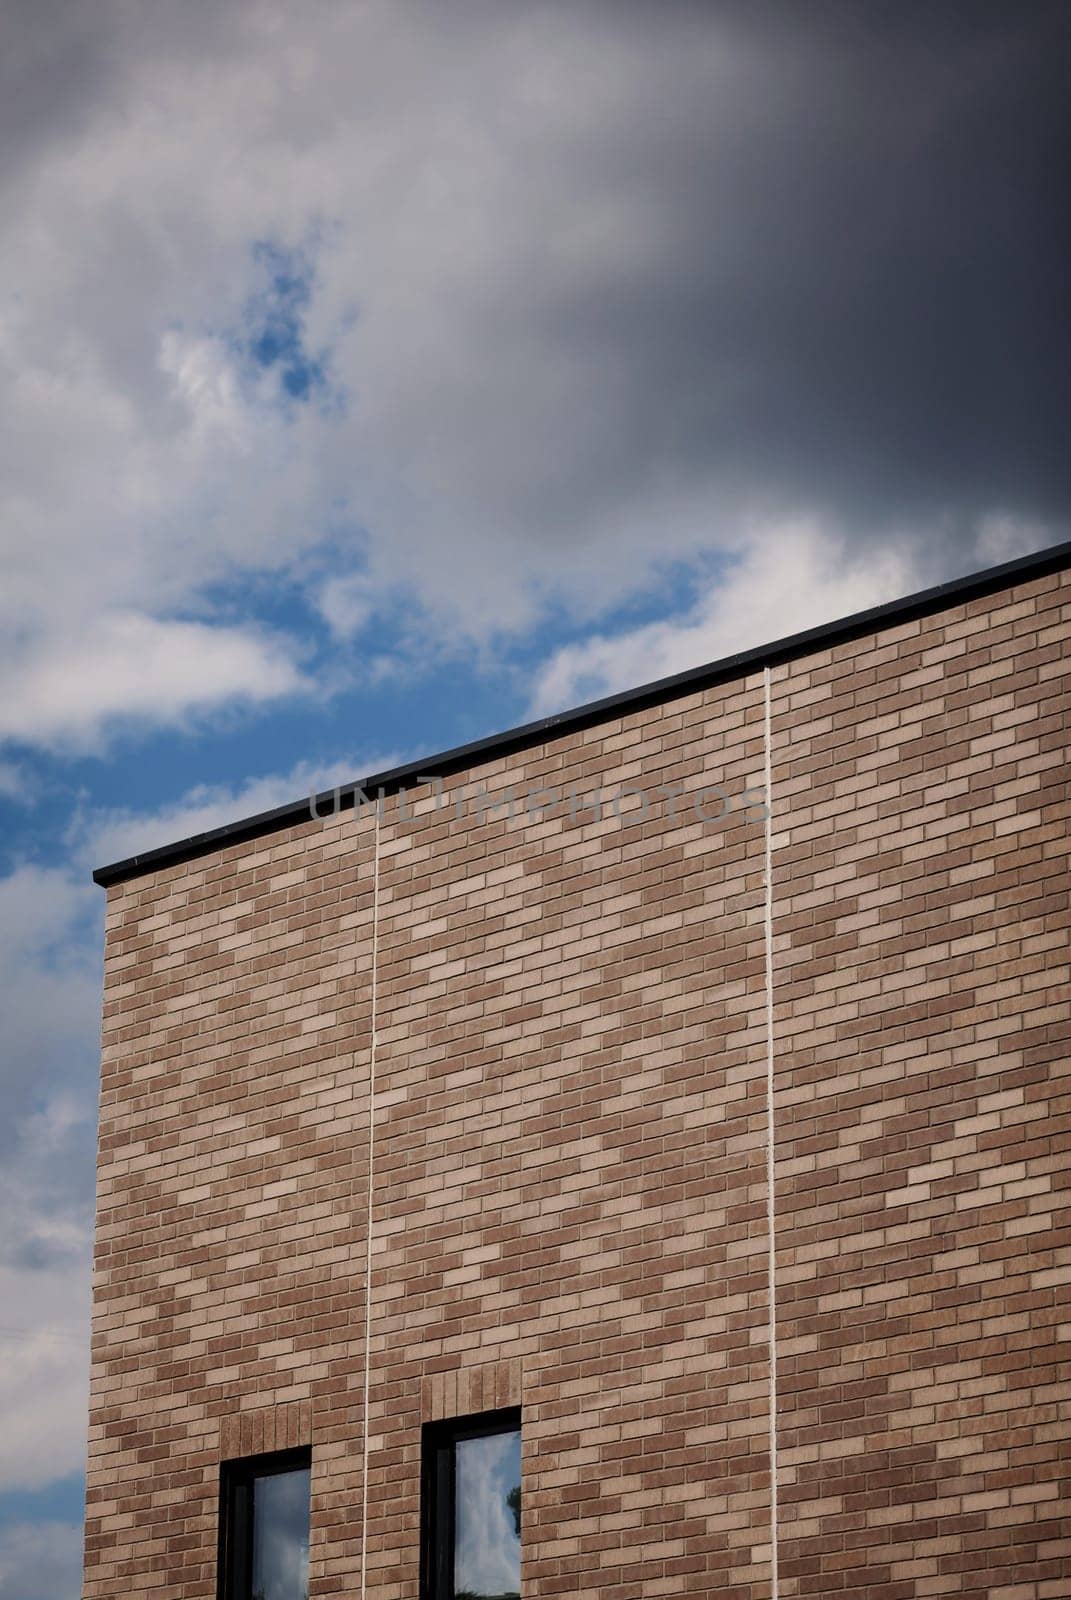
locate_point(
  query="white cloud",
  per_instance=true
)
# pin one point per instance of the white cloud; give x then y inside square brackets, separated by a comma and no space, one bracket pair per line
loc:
[1004,537]
[49,985]
[788,578]
[346,603]
[488,1550]
[130,666]
[558,288]
[44,1375]
[112,834]
[40,1561]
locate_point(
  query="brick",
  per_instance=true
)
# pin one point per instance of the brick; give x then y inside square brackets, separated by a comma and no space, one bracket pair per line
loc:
[569,1140]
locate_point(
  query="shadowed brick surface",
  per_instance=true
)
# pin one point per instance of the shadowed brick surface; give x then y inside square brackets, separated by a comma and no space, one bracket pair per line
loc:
[566,1117]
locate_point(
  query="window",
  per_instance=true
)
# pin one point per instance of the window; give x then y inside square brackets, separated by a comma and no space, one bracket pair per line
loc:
[264,1527]
[472,1508]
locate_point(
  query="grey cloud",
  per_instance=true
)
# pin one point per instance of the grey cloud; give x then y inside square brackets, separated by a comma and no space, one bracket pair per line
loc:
[730,261]
[606,285]
[850,281]
[53,68]
[63,64]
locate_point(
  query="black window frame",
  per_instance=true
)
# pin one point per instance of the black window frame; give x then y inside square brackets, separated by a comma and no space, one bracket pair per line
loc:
[438,1523]
[234,1567]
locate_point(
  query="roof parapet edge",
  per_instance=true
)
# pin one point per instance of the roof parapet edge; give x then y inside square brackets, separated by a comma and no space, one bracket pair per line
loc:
[923,603]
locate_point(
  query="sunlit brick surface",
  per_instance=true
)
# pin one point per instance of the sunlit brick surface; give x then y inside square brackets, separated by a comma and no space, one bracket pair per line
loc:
[570,1161]
[566,1121]
[231,1240]
[923,1183]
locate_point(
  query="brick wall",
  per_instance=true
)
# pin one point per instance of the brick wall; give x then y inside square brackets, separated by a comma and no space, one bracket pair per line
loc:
[923,1247]
[231,1206]
[563,1107]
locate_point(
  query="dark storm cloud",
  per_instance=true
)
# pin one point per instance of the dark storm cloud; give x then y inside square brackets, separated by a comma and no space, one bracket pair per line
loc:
[859,298]
[54,63]
[605,284]
[60,63]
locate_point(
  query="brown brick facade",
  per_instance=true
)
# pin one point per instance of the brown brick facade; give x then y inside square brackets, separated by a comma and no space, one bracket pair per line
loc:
[541,1050]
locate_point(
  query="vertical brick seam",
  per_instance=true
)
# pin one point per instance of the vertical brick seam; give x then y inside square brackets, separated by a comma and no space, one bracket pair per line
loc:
[373,1025]
[771,1147]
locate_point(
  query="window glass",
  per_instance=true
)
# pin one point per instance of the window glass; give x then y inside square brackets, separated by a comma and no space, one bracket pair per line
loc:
[264,1527]
[281,1535]
[487,1516]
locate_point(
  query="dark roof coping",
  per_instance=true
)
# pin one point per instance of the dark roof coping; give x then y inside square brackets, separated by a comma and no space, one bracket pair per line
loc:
[927,601]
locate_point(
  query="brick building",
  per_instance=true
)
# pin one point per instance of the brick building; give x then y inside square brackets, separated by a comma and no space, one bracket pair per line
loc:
[717,1148]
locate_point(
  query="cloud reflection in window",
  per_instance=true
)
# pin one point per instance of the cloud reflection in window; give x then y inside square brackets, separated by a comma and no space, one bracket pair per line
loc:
[487,1548]
[281,1536]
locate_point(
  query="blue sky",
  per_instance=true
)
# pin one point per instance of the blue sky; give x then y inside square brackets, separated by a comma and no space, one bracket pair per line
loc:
[369,384]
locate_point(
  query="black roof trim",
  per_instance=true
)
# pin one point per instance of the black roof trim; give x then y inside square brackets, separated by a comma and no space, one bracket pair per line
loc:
[927,601]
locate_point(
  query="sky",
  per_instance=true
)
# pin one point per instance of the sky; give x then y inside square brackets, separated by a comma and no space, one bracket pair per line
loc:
[377,376]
